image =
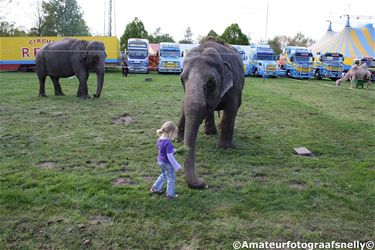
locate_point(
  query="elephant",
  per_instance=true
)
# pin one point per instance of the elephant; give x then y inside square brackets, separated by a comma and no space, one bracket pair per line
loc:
[70,57]
[212,79]
[354,74]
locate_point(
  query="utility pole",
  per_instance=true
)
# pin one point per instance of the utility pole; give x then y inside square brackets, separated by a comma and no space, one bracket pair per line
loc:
[265,39]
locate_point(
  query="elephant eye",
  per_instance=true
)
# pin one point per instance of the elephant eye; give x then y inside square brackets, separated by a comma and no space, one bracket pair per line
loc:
[210,84]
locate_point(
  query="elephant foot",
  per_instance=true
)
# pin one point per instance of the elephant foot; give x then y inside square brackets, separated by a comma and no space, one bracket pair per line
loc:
[197,184]
[225,144]
[84,97]
[59,94]
[42,95]
[96,96]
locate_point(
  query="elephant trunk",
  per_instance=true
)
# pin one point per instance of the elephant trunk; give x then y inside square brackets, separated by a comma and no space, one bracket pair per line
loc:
[99,79]
[194,115]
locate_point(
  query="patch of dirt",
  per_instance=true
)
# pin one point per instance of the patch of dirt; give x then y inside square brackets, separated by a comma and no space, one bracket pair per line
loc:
[298,185]
[124,119]
[47,165]
[123,182]
[98,219]
[99,164]
[259,176]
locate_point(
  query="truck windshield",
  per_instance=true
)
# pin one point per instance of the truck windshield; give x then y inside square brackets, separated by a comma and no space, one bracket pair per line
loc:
[138,54]
[170,53]
[302,59]
[369,64]
[332,59]
[264,56]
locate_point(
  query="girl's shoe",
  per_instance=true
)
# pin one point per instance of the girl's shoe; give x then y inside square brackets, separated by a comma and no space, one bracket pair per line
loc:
[172,197]
[153,191]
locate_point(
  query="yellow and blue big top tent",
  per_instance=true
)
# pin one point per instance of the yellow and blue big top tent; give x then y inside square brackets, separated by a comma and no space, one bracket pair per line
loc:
[352,42]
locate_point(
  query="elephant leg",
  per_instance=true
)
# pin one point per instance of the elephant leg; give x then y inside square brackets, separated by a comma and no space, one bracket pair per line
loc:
[57,86]
[82,91]
[181,127]
[210,127]
[227,128]
[42,84]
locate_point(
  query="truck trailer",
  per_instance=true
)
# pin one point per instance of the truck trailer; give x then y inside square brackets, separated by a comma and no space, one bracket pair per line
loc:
[19,53]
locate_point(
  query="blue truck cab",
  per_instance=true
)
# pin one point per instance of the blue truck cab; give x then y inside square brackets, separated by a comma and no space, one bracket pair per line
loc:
[329,65]
[138,55]
[263,61]
[370,63]
[299,62]
[170,58]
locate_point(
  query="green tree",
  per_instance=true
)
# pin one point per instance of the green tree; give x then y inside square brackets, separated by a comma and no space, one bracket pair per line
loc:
[233,35]
[9,29]
[188,37]
[134,29]
[301,40]
[158,37]
[212,33]
[275,44]
[63,18]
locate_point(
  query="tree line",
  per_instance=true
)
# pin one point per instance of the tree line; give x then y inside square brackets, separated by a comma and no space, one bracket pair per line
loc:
[65,18]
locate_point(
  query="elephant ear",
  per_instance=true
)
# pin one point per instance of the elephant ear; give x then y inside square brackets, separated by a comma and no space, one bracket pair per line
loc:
[227,83]
[83,51]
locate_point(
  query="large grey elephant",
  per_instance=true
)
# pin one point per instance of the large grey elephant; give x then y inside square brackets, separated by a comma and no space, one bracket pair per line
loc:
[212,79]
[70,57]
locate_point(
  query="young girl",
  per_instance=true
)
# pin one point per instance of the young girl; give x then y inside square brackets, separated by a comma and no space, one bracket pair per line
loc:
[166,160]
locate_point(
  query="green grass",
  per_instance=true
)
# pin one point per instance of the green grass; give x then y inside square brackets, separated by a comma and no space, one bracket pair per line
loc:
[60,157]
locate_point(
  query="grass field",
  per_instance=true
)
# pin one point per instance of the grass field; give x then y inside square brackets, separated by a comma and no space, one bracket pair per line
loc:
[76,173]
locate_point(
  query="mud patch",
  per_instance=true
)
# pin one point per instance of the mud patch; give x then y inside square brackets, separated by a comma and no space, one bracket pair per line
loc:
[99,219]
[124,119]
[259,176]
[47,165]
[99,164]
[123,182]
[297,185]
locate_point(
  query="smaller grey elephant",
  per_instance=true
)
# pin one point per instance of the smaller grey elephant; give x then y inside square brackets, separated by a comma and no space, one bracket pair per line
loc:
[354,74]
[70,57]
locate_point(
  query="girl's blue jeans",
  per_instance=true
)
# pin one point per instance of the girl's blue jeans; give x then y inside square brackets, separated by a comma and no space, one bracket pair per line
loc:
[168,174]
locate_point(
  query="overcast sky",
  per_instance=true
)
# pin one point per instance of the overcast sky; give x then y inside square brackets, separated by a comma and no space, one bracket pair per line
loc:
[285,17]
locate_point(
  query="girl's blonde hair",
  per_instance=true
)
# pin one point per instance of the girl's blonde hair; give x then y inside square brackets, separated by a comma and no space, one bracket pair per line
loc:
[168,129]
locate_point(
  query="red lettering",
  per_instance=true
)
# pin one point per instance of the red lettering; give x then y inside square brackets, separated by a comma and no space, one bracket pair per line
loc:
[30,41]
[36,50]
[38,40]
[25,52]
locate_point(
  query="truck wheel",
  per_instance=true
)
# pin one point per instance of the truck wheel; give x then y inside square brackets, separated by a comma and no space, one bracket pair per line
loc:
[256,73]
[317,75]
[24,68]
[288,74]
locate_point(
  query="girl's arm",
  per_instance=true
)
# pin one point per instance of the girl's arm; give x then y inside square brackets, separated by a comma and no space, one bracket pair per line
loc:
[173,161]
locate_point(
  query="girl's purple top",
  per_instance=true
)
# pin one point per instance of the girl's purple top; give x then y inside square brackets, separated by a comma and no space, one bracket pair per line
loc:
[165,147]
[166,150]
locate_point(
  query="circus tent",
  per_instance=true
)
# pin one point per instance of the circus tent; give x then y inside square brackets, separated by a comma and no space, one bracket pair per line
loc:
[351,42]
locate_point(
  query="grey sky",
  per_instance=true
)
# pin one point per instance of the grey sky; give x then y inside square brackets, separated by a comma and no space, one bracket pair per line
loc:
[286,17]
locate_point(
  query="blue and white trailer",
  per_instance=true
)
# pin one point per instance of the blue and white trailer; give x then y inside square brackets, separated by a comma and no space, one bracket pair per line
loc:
[170,58]
[138,55]
[263,61]
[243,50]
[299,62]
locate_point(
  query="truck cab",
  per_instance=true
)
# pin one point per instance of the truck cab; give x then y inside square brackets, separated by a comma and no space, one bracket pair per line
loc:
[138,55]
[170,58]
[329,65]
[370,63]
[263,61]
[298,62]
